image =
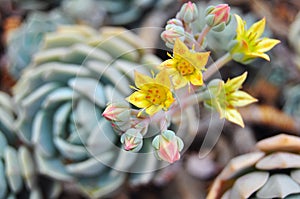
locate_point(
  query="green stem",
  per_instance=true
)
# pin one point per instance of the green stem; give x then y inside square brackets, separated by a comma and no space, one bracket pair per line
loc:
[191,40]
[214,67]
[202,35]
[195,99]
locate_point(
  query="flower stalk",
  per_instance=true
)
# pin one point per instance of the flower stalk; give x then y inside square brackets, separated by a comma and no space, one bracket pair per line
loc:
[202,35]
[216,66]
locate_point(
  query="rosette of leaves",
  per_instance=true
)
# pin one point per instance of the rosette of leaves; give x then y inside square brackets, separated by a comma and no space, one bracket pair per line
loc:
[124,12]
[60,99]
[271,172]
[24,41]
[18,173]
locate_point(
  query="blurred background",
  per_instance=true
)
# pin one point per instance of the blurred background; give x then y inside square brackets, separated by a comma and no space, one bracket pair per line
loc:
[24,24]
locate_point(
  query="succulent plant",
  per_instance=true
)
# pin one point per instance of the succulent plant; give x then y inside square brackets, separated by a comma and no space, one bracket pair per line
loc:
[24,41]
[18,174]
[61,97]
[123,12]
[87,12]
[271,172]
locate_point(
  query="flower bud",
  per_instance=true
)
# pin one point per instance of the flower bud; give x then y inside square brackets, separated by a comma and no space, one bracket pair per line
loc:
[168,146]
[132,140]
[176,22]
[172,32]
[119,114]
[218,16]
[117,111]
[188,12]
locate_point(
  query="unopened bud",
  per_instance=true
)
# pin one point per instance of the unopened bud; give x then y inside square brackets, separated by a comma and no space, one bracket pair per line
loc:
[132,140]
[218,16]
[171,33]
[168,146]
[117,111]
[188,12]
[176,22]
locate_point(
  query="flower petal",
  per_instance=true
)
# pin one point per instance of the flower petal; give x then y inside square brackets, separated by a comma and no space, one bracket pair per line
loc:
[240,29]
[169,101]
[234,116]
[196,78]
[258,28]
[151,110]
[138,99]
[141,79]
[240,98]
[180,49]
[198,60]
[163,78]
[169,63]
[266,44]
[178,81]
[259,54]
[234,84]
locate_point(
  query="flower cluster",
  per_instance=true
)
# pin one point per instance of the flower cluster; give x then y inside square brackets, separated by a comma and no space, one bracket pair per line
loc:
[157,97]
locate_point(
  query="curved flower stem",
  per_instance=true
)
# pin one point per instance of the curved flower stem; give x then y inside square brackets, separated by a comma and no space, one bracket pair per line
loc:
[191,41]
[190,100]
[202,35]
[187,27]
[214,67]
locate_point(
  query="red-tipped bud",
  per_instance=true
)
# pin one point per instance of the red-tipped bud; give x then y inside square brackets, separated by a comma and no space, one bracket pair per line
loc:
[188,12]
[218,16]
[168,146]
[117,111]
[132,140]
[172,32]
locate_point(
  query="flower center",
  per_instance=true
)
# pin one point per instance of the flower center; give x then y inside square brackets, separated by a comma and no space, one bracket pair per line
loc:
[185,68]
[156,95]
[249,41]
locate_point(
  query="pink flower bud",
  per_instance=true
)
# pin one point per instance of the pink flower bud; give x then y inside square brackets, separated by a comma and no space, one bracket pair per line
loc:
[176,22]
[171,33]
[168,146]
[218,16]
[117,111]
[132,140]
[188,12]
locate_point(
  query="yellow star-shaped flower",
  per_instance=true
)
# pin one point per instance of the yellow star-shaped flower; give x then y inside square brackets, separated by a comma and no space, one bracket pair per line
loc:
[248,45]
[186,66]
[152,94]
[226,97]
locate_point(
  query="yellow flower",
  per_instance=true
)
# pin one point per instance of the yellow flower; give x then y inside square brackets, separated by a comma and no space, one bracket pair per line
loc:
[248,45]
[226,97]
[152,94]
[185,66]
